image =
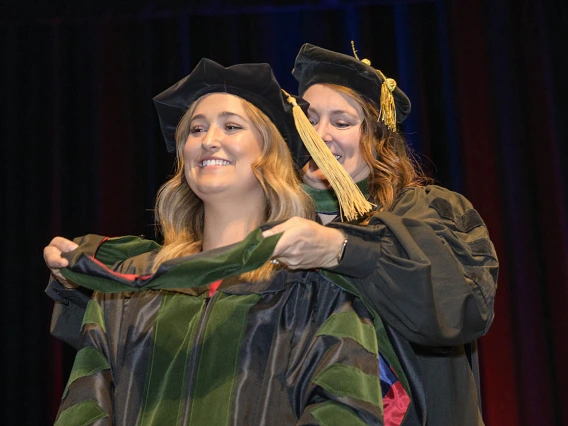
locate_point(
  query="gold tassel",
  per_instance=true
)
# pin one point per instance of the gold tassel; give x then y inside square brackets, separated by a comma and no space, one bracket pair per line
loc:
[387,114]
[388,107]
[352,202]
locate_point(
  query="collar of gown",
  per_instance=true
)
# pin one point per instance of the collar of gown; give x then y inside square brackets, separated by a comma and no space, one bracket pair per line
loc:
[325,199]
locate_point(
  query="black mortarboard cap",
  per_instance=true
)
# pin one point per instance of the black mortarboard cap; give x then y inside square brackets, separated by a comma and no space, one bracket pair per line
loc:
[317,65]
[253,82]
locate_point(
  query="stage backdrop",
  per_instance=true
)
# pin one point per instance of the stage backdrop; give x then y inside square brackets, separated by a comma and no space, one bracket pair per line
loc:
[82,152]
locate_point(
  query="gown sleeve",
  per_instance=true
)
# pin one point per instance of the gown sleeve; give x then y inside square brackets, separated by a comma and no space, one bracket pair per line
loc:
[87,398]
[70,304]
[68,311]
[333,374]
[427,267]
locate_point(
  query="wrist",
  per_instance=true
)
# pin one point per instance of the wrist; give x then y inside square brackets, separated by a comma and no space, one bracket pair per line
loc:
[341,251]
[64,281]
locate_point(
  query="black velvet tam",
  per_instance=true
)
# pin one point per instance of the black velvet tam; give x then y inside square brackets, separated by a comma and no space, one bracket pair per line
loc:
[253,82]
[317,65]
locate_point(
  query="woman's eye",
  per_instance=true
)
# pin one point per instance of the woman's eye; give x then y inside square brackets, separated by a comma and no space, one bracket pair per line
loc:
[341,124]
[232,127]
[313,121]
[196,129]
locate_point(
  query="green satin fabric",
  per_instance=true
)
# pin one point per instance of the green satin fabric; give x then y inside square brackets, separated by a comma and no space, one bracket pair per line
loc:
[298,350]
[326,200]
[184,272]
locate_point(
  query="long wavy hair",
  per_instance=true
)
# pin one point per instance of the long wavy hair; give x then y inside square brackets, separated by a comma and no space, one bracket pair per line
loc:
[393,166]
[180,212]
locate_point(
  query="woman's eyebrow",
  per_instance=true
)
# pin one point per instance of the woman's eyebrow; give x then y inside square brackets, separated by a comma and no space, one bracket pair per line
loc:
[197,117]
[335,111]
[231,114]
[222,114]
[342,111]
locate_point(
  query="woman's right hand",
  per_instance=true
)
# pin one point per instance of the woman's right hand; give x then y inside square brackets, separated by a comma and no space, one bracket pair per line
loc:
[305,244]
[54,261]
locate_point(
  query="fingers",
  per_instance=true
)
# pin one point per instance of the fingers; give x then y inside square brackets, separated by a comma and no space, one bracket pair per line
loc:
[52,253]
[63,244]
[284,226]
[294,233]
[53,259]
[272,231]
[305,244]
[289,247]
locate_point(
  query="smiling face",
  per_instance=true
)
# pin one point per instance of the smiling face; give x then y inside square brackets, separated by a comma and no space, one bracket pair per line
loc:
[221,148]
[337,119]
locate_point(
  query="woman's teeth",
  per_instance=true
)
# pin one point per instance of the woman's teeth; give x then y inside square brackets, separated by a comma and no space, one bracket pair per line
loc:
[206,163]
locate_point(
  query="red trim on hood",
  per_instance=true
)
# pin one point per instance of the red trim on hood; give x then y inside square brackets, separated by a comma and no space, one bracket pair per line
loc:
[128,277]
[213,287]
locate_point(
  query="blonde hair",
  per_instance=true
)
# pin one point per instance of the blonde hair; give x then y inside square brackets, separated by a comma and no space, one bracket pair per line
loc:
[393,167]
[180,212]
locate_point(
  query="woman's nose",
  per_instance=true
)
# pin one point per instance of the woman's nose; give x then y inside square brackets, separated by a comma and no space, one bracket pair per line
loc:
[323,131]
[211,139]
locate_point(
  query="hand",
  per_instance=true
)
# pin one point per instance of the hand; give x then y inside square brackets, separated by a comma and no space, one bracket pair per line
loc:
[305,244]
[54,261]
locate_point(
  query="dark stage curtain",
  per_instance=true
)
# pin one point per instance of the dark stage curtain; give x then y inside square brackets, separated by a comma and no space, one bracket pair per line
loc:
[82,152]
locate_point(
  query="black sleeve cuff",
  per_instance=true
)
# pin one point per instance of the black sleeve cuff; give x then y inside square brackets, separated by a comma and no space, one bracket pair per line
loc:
[359,259]
[76,296]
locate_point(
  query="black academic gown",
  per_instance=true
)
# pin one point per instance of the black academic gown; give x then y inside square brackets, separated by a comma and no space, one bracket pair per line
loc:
[168,348]
[429,269]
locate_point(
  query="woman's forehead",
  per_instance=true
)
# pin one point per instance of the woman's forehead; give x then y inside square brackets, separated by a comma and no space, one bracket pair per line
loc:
[219,102]
[326,99]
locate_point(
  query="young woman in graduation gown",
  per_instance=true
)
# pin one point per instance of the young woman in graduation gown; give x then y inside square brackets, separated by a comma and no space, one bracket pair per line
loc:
[207,330]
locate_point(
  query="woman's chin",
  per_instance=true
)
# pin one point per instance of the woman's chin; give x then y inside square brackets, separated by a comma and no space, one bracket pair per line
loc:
[316,179]
[205,191]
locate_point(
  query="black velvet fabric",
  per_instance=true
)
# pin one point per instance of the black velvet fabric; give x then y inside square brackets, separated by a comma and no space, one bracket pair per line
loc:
[253,82]
[317,65]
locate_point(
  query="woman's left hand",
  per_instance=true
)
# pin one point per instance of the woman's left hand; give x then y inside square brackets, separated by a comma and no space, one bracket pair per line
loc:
[305,244]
